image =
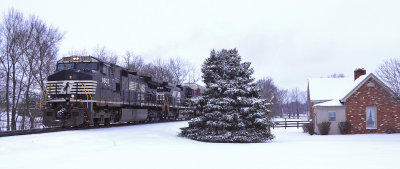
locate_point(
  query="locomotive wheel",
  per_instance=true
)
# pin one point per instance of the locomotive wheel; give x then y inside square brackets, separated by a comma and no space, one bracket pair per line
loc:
[107,122]
[84,125]
[96,122]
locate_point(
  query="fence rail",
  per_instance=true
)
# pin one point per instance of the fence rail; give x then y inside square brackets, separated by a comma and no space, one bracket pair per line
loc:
[286,123]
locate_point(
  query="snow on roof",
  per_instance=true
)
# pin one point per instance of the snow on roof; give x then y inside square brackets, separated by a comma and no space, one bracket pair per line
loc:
[325,89]
[331,103]
[194,86]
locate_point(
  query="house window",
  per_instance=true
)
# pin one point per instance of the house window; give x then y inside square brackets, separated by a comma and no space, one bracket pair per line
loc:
[371,117]
[332,116]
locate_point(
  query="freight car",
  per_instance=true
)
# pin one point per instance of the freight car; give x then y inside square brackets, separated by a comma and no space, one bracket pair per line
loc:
[87,91]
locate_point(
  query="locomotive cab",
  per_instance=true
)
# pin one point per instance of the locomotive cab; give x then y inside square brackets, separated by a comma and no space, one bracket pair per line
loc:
[74,82]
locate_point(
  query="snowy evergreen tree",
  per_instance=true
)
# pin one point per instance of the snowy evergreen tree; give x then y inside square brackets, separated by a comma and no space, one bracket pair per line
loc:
[230,109]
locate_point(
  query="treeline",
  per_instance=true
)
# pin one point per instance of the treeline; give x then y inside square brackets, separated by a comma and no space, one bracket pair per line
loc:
[286,103]
[174,70]
[28,50]
[28,54]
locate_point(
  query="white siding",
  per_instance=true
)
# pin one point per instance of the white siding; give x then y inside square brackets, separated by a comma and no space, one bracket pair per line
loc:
[322,114]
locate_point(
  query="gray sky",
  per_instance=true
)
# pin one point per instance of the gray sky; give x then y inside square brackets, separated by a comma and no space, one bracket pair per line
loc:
[288,40]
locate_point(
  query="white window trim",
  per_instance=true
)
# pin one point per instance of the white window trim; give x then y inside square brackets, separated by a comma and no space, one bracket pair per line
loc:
[329,117]
[376,118]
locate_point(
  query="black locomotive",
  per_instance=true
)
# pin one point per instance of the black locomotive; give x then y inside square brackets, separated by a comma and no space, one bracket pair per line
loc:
[87,91]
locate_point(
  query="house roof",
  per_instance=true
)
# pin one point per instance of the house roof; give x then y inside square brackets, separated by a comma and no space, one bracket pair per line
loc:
[326,89]
[332,103]
[365,79]
[335,91]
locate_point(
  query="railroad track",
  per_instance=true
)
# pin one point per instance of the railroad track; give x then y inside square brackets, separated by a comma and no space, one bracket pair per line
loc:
[31,131]
[58,129]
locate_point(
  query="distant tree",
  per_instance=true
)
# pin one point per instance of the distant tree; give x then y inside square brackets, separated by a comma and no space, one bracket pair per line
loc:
[280,98]
[337,75]
[230,109]
[179,70]
[133,62]
[269,90]
[102,53]
[193,75]
[389,72]
[161,70]
[298,99]
[82,52]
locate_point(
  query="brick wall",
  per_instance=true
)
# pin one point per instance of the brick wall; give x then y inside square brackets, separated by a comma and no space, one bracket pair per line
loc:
[373,94]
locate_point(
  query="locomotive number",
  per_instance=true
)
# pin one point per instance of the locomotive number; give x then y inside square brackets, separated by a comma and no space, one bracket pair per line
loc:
[105,80]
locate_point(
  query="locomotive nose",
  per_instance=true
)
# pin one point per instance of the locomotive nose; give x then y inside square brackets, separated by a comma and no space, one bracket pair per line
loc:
[69,75]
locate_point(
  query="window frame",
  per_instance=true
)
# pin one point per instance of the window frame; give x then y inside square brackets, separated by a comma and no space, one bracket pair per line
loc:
[329,115]
[374,118]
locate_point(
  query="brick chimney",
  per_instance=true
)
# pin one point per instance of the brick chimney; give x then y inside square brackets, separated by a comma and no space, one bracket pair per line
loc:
[359,72]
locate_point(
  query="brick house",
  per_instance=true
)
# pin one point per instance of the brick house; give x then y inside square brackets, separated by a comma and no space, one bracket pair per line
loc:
[367,103]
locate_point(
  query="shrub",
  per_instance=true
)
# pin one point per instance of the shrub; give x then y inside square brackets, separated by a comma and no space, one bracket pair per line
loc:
[324,127]
[305,128]
[344,127]
[308,128]
[390,130]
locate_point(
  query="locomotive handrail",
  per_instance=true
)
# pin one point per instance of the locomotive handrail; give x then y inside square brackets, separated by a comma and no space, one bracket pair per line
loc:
[87,103]
[91,101]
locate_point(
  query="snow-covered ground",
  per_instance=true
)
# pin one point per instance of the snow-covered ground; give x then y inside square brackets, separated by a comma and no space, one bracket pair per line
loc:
[157,146]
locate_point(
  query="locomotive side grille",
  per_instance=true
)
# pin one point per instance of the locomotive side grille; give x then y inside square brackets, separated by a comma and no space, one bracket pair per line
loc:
[74,87]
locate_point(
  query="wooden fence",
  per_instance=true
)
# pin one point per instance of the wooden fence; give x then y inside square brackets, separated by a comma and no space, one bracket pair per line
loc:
[290,123]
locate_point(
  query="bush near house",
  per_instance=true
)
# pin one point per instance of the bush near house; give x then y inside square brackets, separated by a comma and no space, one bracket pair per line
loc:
[309,128]
[344,127]
[324,127]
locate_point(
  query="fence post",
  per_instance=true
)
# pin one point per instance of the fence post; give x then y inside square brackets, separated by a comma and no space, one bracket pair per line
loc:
[285,124]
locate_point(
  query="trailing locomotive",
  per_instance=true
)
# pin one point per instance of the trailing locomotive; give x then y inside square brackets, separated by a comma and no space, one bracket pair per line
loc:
[87,91]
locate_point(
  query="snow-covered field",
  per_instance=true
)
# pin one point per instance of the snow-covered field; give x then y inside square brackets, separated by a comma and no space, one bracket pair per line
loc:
[157,146]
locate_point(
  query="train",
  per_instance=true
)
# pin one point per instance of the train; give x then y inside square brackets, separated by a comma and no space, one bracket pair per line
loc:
[86,91]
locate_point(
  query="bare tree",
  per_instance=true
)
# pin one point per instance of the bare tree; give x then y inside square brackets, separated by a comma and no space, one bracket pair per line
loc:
[179,69]
[29,48]
[13,36]
[298,99]
[337,75]
[46,42]
[194,74]
[280,97]
[389,72]
[103,54]
[268,89]
[161,70]
[82,52]
[133,62]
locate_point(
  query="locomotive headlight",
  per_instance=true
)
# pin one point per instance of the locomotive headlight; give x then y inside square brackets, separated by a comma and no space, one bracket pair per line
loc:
[70,77]
[49,96]
[75,58]
[72,96]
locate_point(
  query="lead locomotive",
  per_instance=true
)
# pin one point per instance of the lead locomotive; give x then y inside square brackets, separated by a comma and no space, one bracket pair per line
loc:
[87,91]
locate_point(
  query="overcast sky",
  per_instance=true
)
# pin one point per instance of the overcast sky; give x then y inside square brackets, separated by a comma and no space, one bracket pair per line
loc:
[288,40]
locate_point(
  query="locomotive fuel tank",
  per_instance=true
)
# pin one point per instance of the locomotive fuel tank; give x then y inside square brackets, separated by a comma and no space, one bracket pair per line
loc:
[133,115]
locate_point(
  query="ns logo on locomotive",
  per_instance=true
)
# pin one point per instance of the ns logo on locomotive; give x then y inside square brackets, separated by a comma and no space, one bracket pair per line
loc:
[87,91]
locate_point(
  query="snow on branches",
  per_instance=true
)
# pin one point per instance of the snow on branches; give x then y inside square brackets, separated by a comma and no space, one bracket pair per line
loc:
[230,109]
